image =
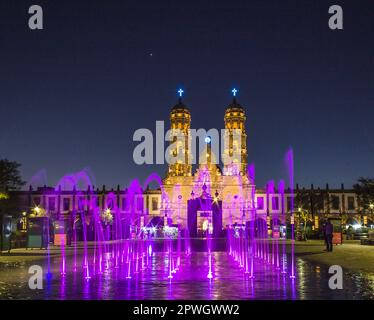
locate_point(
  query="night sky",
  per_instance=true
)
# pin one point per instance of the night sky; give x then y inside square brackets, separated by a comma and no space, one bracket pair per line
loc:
[72,95]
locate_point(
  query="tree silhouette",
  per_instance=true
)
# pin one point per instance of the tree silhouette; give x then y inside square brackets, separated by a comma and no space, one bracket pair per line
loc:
[10,180]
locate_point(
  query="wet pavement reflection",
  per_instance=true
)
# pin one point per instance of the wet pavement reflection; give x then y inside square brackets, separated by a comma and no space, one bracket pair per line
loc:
[189,282]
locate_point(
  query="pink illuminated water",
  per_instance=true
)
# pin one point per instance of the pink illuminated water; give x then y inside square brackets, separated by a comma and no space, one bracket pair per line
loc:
[290,167]
[121,245]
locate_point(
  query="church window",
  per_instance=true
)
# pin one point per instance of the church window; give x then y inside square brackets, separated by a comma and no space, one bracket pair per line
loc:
[260,203]
[66,204]
[351,203]
[80,203]
[52,203]
[154,203]
[275,203]
[335,202]
[36,201]
[124,204]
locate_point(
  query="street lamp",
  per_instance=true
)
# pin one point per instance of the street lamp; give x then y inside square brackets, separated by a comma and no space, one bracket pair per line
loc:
[299,210]
[3,196]
[215,199]
[37,210]
[371,207]
[107,216]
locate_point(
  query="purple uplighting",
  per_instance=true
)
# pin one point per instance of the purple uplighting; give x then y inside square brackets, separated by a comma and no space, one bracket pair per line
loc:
[118,244]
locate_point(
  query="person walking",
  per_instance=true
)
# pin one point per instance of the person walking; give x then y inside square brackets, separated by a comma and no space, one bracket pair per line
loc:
[329,229]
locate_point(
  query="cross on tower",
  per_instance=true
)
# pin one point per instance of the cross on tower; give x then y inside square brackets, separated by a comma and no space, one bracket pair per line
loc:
[180,91]
[234,92]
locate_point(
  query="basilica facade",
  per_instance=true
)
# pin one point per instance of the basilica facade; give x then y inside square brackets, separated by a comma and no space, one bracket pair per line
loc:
[229,185]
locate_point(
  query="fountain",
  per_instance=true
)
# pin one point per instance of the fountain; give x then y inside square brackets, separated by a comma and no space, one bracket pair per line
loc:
[122,240]
[289,163]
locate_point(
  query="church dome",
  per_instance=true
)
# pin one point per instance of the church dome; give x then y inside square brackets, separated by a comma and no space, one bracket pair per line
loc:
[180,107]
[235,113]
[235,107]
[180,115]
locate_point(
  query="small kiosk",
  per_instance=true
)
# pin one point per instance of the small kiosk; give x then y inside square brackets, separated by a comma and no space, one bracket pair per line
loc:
[5,232]
[61,233]
[337,235]
[38,232]
[276,232]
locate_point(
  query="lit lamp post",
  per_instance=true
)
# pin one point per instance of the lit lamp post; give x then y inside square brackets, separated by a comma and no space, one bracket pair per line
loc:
[24,222]
[3,196]
[299,231]
[371,207]
[38,211]
[107,219]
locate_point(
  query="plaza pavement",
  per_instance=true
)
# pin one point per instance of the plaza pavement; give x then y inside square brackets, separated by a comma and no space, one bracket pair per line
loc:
[351,255]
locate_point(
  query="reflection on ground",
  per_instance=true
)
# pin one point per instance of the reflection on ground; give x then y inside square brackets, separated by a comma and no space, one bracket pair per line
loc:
[189,282]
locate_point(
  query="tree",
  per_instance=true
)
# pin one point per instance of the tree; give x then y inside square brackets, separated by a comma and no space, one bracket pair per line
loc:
[308,205]
[10,180]
[365,195]
[10,176]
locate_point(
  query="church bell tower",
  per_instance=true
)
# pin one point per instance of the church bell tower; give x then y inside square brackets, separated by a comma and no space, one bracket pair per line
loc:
[236,139]
[180,121]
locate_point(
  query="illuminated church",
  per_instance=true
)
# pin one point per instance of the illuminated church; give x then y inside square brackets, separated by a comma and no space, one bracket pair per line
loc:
[227,187]
[230,185]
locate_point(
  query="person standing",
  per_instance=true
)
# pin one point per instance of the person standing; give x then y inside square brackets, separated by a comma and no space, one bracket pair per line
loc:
[350,235]
[324,234]
[329,229]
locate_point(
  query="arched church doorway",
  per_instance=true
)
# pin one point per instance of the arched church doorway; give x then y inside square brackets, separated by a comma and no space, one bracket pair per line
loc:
[204,215]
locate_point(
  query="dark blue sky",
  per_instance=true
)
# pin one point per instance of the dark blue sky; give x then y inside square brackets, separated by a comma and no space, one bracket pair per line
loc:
[72,95]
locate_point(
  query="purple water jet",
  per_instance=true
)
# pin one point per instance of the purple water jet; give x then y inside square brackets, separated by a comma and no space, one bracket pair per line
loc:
[290,167]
